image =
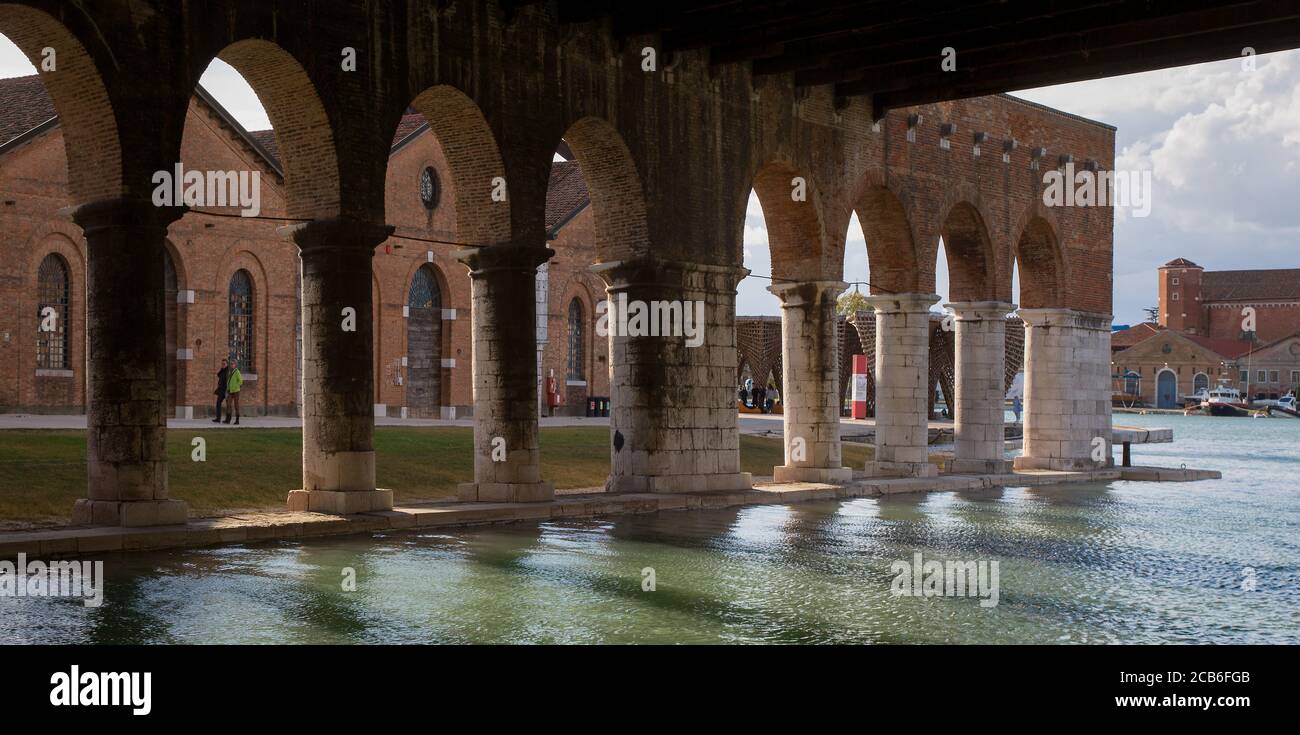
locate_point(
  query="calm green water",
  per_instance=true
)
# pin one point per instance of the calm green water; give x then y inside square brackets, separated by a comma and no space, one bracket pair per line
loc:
[1118,562]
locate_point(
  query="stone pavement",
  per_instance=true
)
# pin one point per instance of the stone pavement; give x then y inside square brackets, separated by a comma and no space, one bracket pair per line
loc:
[248,527]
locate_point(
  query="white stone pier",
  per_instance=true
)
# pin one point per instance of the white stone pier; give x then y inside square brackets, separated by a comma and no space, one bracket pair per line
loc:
[1067,390]
[811,399]
[980,340]
[902,384]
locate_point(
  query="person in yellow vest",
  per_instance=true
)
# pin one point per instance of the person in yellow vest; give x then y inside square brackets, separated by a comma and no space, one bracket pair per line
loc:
[233,384]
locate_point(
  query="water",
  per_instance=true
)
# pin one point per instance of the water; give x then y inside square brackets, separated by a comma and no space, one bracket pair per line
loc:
[1105,563]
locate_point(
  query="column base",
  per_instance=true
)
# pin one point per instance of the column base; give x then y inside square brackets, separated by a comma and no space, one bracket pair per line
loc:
[340,502]
[130,513]
[978,467]
[1064,464]
[505,492]
[901,469]
[680,483]
[786,473]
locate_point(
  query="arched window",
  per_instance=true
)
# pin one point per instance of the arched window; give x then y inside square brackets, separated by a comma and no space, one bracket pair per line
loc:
[52,314]
[1200,383]
[241,320]
[424,292]
[577,342]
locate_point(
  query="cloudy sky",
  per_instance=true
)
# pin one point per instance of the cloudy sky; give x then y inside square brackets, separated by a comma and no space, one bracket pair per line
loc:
[1222,142]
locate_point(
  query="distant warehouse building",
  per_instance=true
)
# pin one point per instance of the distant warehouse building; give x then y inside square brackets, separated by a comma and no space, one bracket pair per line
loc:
[1238,326]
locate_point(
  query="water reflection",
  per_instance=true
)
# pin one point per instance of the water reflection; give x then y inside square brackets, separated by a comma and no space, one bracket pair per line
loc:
[1116,562]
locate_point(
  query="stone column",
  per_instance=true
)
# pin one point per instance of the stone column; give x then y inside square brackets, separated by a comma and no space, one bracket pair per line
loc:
[1067,390]
[902,384]
[338,416]
[126,366]
[503,323]
[810,386]
[980,386]
[672,347]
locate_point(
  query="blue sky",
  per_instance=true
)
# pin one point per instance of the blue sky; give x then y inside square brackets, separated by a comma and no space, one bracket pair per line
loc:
[1221,140]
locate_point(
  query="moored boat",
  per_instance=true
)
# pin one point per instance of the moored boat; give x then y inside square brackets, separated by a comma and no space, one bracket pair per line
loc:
[1224,400]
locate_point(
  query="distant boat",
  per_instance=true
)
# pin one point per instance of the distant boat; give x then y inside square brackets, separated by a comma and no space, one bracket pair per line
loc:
[1286,406]
[1224,400]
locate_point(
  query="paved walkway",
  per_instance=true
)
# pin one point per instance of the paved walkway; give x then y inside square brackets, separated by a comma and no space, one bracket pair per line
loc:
[247,527]
[769,424]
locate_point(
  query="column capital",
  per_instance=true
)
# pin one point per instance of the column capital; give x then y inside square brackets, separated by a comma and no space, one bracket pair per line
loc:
[336,232]
[897,303]
[649,270]
[798,293]
[979,311]
[503,256]
[1058,317]
[122,212]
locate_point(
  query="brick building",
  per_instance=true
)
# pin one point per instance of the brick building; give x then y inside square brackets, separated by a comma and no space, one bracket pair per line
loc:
[1211,303]
[1203,335]
[233,285]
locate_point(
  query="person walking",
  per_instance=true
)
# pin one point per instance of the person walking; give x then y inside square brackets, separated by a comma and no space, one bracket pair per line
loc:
[1015,407]
[233,384]
[223,375]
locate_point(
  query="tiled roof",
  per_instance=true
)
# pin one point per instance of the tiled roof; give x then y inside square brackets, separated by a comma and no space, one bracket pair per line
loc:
[25,105]
[266,139]
[1132,335]
[1226,348]
[566,193]
[1180,263]
[1278,284]
[1229,348]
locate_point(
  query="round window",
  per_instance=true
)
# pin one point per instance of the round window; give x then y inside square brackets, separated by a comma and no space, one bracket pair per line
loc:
[430,188]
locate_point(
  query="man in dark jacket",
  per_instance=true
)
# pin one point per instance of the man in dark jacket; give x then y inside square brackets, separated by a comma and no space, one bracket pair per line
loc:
[222,376]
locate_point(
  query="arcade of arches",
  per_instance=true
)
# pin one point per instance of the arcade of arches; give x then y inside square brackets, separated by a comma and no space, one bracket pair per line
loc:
[381,194]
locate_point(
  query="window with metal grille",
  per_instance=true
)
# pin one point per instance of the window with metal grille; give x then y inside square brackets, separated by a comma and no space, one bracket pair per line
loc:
[52,314]
[241,320]
[424,292]
[577,342]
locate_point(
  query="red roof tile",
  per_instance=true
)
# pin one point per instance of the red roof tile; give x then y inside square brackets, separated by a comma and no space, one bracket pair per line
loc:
[1229,348]
[1280,284]
[566,193]
[1132,335]
[26,105]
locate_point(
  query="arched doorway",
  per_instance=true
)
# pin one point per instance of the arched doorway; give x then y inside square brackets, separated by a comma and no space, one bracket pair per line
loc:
[424,345]
[1200,384]
[1167,389]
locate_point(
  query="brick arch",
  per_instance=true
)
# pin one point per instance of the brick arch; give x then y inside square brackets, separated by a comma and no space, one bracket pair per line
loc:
[178,264]
[614,186]
[472,154]
[969,252]
[794,227]
[1041,263]
[302,129]
[79,97]
[886,220]
[64,236]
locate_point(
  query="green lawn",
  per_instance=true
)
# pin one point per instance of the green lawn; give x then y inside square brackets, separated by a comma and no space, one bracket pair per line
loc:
[43,472]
